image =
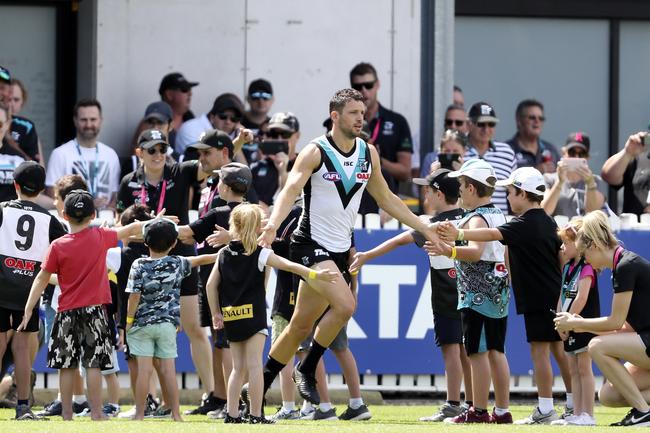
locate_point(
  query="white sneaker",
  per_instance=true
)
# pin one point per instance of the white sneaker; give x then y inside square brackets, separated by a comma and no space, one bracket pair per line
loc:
[584,419]
[537,417]
[567,420]
[128,414]
[307,415]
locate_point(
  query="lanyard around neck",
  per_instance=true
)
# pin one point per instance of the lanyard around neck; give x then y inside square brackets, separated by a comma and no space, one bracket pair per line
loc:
[161,196]
[375,132]
[92,180]
[206,207]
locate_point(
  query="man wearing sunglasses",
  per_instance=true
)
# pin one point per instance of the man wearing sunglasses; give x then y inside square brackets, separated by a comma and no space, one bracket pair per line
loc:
[529,148]
[389,132]
[260,99]
[482,123]
[225,115]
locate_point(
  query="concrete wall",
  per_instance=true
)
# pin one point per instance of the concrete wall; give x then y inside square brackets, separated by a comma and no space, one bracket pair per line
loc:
[305,49]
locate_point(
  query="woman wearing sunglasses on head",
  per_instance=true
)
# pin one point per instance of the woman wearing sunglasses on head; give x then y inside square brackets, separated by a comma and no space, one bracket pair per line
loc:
[626,331]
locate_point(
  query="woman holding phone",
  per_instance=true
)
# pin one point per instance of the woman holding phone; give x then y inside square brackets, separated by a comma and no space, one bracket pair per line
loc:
[574,190]
[626,331]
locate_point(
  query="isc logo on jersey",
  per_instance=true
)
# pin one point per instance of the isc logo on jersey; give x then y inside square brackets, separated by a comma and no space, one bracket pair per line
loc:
[332,176]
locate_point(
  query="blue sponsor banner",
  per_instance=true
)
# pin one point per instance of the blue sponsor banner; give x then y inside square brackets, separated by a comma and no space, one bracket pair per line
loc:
[392,329]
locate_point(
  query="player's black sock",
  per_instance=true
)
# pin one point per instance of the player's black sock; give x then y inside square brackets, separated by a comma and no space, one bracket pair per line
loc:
[469,403]
[479,410]
[315,353]
[453,402]
[271,371]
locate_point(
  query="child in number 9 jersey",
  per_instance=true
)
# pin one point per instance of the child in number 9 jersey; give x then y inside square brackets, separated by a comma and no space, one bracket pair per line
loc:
[237,299]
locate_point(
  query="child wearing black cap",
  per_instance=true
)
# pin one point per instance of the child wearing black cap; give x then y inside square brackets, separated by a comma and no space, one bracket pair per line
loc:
[238,303]
[441,194]
[26,230]
[153,312]
[80,334]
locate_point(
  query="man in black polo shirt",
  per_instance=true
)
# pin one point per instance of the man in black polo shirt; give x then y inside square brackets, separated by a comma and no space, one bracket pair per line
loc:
[389,132]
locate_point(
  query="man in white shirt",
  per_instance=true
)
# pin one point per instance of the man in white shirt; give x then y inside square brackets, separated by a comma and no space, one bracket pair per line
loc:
[97,163]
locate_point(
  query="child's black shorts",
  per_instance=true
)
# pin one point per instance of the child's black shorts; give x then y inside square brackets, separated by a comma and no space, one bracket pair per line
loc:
[482,333]
[81,337]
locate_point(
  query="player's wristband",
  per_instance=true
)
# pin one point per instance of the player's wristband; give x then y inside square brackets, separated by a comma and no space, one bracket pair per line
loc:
[461,235]
[312,274]
[453,253]
[355,273]
[130,320]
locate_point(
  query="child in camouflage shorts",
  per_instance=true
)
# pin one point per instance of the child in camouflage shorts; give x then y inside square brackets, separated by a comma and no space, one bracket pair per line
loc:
[153,312]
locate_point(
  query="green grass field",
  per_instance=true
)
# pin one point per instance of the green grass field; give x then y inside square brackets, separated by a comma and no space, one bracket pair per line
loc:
[386,418]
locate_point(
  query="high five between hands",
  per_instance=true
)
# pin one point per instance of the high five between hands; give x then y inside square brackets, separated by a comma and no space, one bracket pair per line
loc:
[440,240]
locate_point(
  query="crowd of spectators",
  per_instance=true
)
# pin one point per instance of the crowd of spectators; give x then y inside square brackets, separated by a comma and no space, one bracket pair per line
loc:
[573,187]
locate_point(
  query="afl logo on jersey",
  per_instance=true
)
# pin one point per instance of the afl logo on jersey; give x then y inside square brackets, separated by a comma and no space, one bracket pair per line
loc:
[332,176]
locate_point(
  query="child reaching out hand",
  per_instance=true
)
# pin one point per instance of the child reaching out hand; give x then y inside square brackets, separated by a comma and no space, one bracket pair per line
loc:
[237,299]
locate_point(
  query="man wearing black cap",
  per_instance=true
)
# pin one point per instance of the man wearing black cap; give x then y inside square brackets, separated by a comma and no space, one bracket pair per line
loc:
[226,114]
[441,193]
[574,189]
[26,230]
[260,99]
[271,169]
[482,123]
[177,92]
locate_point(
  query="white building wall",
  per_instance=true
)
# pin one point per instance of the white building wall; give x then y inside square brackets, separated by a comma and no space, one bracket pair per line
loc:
[305,48]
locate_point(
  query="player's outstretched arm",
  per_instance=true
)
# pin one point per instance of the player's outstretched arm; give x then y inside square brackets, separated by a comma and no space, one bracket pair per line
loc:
[448,232]
[391,203]
[306,162]
[360,258]
[278,262]
[203,259]
[38,286]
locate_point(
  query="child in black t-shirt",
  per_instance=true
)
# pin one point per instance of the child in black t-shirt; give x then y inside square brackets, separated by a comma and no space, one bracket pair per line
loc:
[533,254]
[441,195]
[237,300]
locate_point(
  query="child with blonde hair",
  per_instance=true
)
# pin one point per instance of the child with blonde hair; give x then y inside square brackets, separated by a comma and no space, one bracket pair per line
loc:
[579,295]
[238,303]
